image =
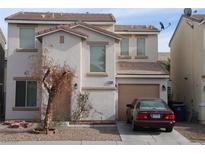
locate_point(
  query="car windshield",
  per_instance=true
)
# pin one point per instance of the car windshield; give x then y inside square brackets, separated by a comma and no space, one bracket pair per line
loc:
[152,104]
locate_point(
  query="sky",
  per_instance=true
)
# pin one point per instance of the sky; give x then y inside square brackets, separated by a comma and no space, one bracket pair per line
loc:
[123,16]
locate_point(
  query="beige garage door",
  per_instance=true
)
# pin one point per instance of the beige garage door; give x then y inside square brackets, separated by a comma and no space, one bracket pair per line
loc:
[127,93]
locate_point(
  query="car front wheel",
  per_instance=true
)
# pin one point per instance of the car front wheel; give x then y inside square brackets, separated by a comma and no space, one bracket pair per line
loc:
[169,129]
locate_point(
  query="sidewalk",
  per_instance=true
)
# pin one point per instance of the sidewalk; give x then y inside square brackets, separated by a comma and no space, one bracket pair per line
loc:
[79,143]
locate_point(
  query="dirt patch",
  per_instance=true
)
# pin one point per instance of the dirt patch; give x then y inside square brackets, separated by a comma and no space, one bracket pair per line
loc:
[193,131]
[74,134]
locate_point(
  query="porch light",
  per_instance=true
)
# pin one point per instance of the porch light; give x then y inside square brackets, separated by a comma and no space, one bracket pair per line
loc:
[75,86]
[163,88]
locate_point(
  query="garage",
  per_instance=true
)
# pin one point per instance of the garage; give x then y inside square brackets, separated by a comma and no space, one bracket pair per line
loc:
[128,92]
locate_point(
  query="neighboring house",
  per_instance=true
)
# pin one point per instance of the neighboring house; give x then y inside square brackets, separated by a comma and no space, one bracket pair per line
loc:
[163,56]
[188,64]
[2,64]
[90,44]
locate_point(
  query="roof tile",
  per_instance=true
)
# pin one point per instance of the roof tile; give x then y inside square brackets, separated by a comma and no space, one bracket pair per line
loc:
[53,16]
[140,68]
[135,28]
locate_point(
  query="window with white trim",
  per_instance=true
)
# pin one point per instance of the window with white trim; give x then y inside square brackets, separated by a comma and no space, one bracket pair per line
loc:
[26,93]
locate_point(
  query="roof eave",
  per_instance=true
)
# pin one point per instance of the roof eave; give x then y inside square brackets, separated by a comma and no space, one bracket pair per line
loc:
[61,29]
[161,76]
[55,21]
[137,32]
[77,25]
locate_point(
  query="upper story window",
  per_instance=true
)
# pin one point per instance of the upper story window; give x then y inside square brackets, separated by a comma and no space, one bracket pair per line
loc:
[140,46]
[26,93]
[97,58]
[61,39]
[27,38]
[124,44]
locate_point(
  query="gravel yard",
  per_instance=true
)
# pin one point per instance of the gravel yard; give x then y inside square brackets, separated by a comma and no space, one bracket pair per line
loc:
[193,131]
[71,133]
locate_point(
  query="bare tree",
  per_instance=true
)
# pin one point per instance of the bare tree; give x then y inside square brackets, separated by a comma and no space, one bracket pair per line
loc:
[83,107]
[56,79]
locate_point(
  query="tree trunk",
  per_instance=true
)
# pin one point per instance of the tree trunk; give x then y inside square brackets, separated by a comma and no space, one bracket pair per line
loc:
[48,116]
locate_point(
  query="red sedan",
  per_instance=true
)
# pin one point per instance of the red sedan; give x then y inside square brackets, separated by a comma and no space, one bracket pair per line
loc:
[153,113]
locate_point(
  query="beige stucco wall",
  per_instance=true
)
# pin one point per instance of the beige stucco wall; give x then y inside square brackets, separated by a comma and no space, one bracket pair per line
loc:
[76,53]
[103,101]
[151,48]
[17,66]
[110,60]
[187,58]
[67,53]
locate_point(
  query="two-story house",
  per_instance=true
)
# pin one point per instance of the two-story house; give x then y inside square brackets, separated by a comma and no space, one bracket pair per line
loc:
[188,65]
[2,60]
[114,63]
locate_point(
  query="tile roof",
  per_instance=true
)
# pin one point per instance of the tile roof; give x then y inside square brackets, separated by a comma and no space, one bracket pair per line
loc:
[59,27]
[196,17]
[135,28]
[53,16]
[64,27]
[71,28]
[97,29]
[140,68]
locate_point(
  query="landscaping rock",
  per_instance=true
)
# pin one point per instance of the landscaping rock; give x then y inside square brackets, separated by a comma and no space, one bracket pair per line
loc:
[7,123]
[14,125]
[26,125]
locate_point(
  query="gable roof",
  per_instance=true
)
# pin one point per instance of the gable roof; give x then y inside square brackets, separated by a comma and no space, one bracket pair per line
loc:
[136,28]
[96,29]
[194,17]
[64,28]
[53,16]
[140,68]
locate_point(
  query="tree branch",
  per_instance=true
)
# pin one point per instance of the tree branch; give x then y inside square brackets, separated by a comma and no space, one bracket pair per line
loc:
[44,78]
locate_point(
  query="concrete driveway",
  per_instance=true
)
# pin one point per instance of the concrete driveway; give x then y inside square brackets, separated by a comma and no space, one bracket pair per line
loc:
[147,136]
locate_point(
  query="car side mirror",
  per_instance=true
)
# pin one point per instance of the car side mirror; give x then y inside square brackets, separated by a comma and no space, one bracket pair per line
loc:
[130,106]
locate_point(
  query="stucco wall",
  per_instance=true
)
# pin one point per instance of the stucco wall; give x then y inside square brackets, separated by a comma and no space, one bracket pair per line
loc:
[76,53]
[151,48]
[18,64]
[103,105]
[110,60]
[187,56]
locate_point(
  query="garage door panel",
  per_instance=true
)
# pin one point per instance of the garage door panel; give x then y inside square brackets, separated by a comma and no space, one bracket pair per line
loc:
[127,93]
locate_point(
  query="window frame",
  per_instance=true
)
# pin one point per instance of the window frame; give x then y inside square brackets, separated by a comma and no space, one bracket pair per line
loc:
[26,93]
[98,45]
[34,41]
[138,38]
[121,47]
